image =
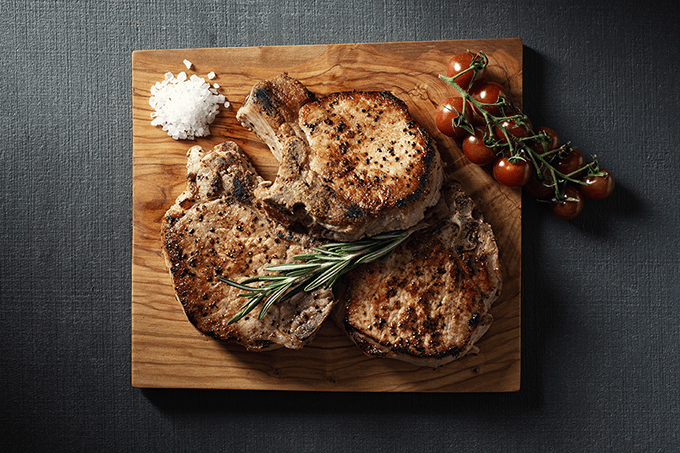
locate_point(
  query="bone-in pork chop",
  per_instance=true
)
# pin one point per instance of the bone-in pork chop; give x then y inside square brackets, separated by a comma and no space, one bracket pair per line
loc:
[218,228]
[428,302]
[352,164]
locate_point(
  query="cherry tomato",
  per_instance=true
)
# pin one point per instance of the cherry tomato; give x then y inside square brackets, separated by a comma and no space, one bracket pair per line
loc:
[553,140]
[571,163]
[475,149]
[512,174]
[571,208]
[512,128]
[488,93]
[448,111]
[540,189]
[598,187]
[460,63]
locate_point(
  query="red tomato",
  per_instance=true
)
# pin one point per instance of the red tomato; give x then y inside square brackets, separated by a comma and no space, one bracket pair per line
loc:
[447,112]
[460,63]
[540,189]
[512,128]
[553,140]
[488,93]
[598,187]
[571,208]
[571,163]
[512,174]
[475,149]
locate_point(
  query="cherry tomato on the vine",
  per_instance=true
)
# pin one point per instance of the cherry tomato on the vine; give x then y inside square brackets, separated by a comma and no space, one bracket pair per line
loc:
[460,63]
[475,149]
[540,189]
[570,208]
[512,128]
[448,111]
[598,187]
[488,93]
[553,140]
[512,174]
[571,163]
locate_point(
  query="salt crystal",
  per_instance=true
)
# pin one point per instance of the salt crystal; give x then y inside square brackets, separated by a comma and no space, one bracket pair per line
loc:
[211,75]
[188,64]
[216,85]
[184,108]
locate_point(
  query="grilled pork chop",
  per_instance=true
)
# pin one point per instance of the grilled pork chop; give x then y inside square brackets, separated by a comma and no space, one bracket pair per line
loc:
[217,228]
[351,164]
[427,303]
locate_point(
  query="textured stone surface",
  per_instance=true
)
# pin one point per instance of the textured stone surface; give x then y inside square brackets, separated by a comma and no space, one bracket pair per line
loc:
[600,324]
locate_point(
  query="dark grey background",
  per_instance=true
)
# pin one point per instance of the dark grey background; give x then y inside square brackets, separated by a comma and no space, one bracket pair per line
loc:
[601,335]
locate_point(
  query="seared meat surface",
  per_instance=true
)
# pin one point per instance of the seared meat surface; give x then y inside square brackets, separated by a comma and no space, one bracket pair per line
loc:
[427,303]
[352,164]
[218,228]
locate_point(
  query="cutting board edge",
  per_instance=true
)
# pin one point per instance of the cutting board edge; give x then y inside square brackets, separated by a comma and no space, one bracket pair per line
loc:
[135,378]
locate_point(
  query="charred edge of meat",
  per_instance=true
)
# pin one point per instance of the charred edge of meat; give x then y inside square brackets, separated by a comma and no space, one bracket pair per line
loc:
[260,344]
[354,212]
[269,97]
[241,191]
[429,157]
[264,98]
[382,349]
[369,348]
[424,178]
[175,253]
[403,202]
[387,96]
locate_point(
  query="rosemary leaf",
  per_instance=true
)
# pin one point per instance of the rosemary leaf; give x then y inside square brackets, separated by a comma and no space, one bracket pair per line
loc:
[247,308]
[321,280]
[272,299]
[289,267]
[234,284]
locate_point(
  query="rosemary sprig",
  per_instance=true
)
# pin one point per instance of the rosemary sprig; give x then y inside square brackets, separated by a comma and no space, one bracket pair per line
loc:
[322,268]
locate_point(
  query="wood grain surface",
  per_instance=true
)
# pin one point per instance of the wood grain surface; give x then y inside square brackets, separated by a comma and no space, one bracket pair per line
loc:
[167,351]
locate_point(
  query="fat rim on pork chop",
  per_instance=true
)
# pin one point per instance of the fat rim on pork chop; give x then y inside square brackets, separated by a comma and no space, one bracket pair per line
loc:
[217,228]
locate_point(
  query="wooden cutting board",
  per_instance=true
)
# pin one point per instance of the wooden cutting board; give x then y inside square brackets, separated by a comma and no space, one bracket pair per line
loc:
[167,351]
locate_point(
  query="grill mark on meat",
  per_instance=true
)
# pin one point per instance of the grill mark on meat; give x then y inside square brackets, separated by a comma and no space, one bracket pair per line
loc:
[354,212]
[218,228]
[263,97]
[241,192]
[363,150]
[428,302]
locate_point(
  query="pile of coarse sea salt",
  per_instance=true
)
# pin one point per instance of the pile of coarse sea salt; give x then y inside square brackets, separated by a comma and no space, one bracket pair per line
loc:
[183,106]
